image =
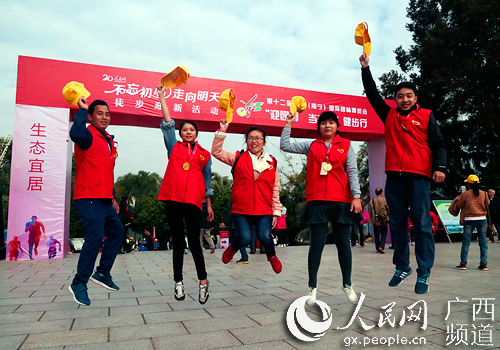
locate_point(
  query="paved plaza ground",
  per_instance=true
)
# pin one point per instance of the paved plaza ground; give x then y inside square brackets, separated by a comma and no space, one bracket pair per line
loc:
[248,305]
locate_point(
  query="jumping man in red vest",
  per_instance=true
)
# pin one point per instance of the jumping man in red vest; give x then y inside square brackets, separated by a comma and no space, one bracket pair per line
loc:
[415,153]
[185,184]
[95,155]
[332,193]
[255,193]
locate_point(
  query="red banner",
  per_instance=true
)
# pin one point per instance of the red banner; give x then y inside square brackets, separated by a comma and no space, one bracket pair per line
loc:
[131,95]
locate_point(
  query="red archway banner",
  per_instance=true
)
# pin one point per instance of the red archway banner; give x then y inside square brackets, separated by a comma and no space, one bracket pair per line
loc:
[131,95]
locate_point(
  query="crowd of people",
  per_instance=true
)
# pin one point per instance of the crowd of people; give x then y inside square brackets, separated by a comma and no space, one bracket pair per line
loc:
[415,156]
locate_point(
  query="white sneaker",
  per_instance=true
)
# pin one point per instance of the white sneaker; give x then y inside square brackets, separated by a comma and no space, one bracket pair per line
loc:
[204,293]
[351,295]
[312,296]
[179,291]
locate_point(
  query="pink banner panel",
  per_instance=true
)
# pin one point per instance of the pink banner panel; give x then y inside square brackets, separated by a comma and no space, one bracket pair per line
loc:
[39,183]
[133,100]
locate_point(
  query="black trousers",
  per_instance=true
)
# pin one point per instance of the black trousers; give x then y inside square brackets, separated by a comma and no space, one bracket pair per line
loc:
[177,214]
[342,235]
[355,229]
[380,233]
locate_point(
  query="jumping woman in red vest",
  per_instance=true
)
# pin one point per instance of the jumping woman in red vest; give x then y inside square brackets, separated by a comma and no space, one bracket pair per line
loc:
[255,193]
[332,193]
[185,184]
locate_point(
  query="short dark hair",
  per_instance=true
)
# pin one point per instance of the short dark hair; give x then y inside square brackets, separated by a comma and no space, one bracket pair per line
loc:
[405,84]
[256,128]
[188,122]
[323,117]
[96,103]
[379,191]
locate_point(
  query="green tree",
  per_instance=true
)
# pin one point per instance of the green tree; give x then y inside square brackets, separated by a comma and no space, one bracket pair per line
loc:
[389,82]
[293,197]
[149,212]
[455,64]
[363,170]
[221,198]
[142,184]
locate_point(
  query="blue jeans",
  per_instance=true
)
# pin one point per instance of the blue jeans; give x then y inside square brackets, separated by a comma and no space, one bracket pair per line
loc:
[244,224]
[99,219]
[469,226]
[244,254]
[403,192]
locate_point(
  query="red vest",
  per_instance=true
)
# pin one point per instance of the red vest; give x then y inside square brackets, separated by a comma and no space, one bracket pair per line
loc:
[94,177]
[185,186]
[407,147]
[249,196]
[334,186]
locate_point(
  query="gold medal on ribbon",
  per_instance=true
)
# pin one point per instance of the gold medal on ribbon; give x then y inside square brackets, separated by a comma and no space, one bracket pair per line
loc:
[327,166]
[186,166]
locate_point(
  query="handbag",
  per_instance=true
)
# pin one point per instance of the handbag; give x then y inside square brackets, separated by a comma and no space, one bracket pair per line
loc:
[366,218]
[381,220]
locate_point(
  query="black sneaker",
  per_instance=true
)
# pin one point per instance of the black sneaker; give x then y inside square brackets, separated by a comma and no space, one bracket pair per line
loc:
[399,277]
[204,293]
[422,285]
[179,291]
[242,261]
[80,294]
[104,281]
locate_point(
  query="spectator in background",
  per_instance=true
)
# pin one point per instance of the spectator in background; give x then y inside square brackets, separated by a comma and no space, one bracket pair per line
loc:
[281,229]
[379,217]
[357,228]
[435,222]
[206,227]
[148,242]
[494,213]
[126,218]
[228,224]
[473,203]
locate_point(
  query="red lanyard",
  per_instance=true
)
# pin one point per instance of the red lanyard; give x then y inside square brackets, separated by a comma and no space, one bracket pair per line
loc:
[191,154]
[328,152]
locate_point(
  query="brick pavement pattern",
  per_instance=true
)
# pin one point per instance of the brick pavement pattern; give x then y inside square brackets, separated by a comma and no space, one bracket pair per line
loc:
[247,306]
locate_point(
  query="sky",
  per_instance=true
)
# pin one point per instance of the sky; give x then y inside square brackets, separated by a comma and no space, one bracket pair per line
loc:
[298,44]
